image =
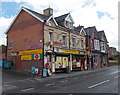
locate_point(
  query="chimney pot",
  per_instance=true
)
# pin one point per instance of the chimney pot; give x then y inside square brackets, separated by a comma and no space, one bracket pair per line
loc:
[48,11]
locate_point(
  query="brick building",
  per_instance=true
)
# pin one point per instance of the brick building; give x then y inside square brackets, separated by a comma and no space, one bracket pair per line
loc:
[112,51]
[96,47]
[35,39]
[3,54]
[45,41]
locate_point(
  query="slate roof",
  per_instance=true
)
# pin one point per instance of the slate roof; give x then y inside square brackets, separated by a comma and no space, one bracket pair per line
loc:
[61,18]
[101,34]
[41,16]
[77,29]
[89,31]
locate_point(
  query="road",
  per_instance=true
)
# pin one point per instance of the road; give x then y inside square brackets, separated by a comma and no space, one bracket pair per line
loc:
[102,81]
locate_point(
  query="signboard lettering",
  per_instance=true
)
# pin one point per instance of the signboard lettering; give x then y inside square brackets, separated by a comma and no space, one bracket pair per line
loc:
[26,57]
[36,51]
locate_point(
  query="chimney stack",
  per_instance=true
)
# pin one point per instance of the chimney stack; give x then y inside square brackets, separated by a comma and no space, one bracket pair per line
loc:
[48,11]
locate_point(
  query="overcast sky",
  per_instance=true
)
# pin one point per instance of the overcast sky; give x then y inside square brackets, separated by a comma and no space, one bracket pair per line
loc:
[100,13]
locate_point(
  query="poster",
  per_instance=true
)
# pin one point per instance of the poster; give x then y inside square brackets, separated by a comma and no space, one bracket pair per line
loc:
[65,62]
[26,57]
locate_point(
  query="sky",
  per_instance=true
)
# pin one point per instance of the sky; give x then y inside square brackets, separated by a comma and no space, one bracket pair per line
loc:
[100,13]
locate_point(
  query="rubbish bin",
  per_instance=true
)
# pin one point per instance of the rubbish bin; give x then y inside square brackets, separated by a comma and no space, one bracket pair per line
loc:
[8,64]
[33,70]
[68,70]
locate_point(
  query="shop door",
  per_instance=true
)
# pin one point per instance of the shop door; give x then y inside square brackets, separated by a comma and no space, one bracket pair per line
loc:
[58,63]
[83,63]
[65,62]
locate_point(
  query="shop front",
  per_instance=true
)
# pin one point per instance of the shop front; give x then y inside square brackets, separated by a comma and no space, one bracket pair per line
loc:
[79,61]
[63,58]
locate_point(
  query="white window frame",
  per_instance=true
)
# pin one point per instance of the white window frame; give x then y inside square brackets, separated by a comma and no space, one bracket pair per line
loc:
[50,36]
[82,43]
[73,42]
[64,41]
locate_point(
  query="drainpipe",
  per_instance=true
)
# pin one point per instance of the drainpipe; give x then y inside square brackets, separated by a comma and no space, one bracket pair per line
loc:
[43,44]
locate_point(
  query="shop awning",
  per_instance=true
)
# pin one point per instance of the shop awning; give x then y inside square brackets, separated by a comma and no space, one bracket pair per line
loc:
[96,51]
[78,55]
[62,54]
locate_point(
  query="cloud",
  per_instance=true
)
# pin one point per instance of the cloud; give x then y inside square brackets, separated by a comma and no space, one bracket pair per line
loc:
[5,22]
[84,12]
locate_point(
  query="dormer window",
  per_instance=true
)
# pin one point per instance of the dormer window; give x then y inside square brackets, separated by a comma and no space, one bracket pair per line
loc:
[67,24]
[50,23]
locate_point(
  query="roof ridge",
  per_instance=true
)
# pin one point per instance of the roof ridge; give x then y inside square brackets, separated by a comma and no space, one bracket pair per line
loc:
[62,15]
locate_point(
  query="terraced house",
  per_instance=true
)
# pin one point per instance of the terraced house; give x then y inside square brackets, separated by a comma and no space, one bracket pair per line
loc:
[96,47]
[45,41]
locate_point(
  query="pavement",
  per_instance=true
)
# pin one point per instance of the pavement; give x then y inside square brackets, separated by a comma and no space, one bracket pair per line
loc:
[9,75]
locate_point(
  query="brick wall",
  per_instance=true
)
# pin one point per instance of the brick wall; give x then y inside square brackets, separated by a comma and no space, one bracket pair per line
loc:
[25,31]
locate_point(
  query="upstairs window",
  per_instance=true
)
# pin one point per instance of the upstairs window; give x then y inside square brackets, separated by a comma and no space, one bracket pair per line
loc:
[78,44]
[10,45]
[50,23]
[71,26]
[64,40]
[103,46]
[73,42]
[50,36]
[82,43]
[67,24]
[96,44]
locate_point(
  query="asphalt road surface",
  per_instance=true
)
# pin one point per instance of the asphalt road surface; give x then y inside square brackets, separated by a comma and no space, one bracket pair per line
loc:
[102,81]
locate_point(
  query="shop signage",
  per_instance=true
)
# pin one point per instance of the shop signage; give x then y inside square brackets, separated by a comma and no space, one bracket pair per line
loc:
[37,56]
[57,50]
[82,52]
[26,57]
[36,51]
[87,53]
[14,53]
[58,43]
[44,72]
[70,51]
[34,45]
[48,43]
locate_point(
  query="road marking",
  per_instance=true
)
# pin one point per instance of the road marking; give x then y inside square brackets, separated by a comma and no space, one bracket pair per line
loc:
[116,77]
[114,72]
[64,81]
[50,84]
[75,78]
[98,84]
[27,89]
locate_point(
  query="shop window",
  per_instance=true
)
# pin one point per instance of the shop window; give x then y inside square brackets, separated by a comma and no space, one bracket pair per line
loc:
[64,40]
[73,42]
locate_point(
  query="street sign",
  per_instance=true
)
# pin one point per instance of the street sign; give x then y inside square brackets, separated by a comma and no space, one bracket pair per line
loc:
[44,72]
